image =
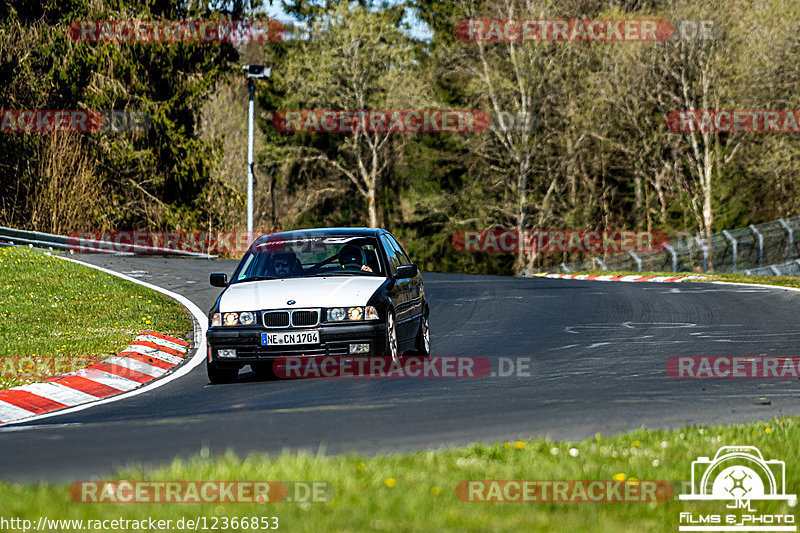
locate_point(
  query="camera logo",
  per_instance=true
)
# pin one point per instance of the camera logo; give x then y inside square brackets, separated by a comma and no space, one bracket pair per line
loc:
[739,475]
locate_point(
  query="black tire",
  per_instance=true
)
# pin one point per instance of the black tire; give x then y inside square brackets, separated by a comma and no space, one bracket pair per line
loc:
[422,345]
[391,347]
[221,374]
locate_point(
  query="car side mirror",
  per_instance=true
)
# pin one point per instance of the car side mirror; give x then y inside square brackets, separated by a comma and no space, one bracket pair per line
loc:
[406,271]
[219,280]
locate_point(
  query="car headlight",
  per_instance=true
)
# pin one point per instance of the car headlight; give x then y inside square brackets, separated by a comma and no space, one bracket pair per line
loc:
[352,314]
[245,318]
[337,314]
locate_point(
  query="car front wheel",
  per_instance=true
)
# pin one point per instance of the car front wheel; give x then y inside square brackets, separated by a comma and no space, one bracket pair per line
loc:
[391,337]
[423,342]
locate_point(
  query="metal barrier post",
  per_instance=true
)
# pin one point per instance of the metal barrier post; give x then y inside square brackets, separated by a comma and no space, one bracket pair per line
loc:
[671,251]
[788,229]
[760,245]
[638,261]
[734,244]
[705,252]
[565,267]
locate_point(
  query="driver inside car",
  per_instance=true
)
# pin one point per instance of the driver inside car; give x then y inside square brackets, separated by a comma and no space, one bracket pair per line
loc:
[284,264]
[353,256]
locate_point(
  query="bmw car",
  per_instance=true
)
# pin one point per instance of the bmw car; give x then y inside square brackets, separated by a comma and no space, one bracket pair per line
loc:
[334,292]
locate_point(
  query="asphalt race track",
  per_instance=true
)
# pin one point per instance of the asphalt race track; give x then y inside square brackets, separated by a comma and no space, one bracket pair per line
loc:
[598,352]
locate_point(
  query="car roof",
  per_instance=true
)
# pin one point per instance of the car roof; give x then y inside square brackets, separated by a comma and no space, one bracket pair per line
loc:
[323,232]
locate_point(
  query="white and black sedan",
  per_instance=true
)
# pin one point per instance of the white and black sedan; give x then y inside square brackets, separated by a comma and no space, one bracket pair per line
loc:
[333,292]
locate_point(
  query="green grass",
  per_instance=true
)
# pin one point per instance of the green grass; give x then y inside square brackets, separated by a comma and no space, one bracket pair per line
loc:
[61,316]
[416,491]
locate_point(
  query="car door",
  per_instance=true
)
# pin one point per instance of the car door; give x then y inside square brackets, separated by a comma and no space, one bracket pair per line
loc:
[399,293]
[411,294]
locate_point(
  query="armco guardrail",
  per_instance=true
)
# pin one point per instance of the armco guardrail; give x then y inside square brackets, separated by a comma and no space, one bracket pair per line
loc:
[761,249]
[792,268]
[61,242]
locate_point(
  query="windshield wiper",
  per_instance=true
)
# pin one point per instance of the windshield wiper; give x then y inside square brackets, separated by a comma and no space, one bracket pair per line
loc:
[256,278]
[352,273]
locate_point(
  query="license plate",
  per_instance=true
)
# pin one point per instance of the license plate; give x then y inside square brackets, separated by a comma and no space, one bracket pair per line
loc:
[290,337]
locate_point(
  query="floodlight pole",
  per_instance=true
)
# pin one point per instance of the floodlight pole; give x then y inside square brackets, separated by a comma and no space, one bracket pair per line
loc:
[253,72]
[251,111]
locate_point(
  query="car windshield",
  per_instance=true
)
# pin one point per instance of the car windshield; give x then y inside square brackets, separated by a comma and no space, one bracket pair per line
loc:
[310,257]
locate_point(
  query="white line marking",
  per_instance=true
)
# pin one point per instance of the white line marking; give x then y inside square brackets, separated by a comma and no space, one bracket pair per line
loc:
[138,366]
[57,393]
[106,378]
[10,412]
[161,342]
[152,352]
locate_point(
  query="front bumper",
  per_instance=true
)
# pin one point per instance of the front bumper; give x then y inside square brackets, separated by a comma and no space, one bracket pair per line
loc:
[334,341]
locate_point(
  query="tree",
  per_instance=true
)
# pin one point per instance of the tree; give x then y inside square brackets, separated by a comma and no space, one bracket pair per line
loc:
[353,60]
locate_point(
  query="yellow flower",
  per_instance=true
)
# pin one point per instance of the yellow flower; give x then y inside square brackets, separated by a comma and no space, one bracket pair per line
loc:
[506,445]
[390,482]
[636,444]
[519,445]
[436,490]
[768,431]
[620,477]
[361,467]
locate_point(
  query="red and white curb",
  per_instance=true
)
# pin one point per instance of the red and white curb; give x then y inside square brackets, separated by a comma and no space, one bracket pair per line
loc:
[627,277]
[195,357]
[149,356]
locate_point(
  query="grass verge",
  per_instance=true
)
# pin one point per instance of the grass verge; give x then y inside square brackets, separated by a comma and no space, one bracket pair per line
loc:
[416,491]
[57,316]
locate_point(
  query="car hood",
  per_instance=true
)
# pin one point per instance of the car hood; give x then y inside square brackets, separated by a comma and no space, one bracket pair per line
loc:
[334,291]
